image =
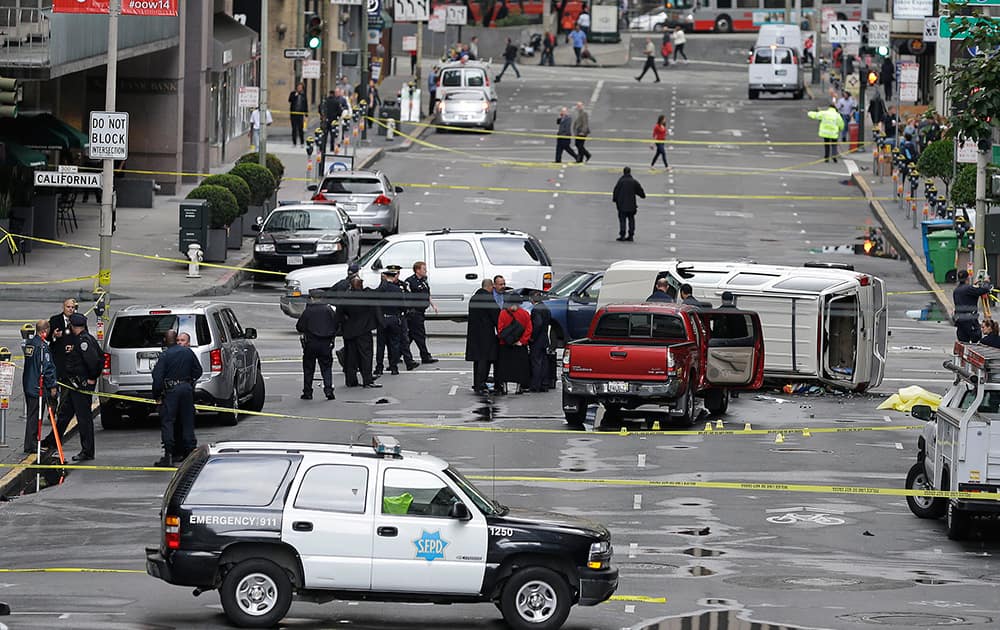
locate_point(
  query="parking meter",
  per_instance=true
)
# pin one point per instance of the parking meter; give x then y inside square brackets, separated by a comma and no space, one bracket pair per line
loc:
[309,146]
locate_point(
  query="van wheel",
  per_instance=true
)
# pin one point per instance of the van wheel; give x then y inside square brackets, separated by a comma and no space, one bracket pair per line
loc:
[575,418]
[256,594]
[923,507]
[723,24]
[111,417]
[256,402]
[717,401]
[535,598]
[798,94]
[958,523]
[753,94]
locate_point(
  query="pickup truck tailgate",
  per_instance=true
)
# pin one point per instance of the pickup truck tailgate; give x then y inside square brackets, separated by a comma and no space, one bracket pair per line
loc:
[594,360]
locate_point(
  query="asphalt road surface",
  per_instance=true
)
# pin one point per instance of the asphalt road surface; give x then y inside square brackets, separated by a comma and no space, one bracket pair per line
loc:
[795,559]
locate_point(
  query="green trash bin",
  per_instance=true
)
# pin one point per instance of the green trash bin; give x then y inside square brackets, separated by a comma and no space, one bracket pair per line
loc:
[941,250]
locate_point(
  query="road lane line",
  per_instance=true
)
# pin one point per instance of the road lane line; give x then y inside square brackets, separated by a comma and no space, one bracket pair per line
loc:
[454,388]
[596,94]
[632,549]
[637,502]
[641,463]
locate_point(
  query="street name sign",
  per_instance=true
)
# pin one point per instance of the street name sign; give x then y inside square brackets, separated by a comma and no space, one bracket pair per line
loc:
[108,136]
[68,180]
[845,32]
[297,53]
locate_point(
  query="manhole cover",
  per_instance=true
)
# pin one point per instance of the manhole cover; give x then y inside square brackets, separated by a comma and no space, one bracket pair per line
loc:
[822,581]
[914,620]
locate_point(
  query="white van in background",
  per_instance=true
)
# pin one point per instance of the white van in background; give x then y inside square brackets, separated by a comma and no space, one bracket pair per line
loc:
[775,69]
[821,322]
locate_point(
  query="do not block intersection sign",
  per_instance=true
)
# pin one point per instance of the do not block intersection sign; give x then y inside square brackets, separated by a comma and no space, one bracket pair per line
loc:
[108,136]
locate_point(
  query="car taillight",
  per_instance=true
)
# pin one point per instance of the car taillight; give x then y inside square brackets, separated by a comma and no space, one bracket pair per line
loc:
[547,281]
[671,364]
[566,359]
[382,200]
[215,360]
[486,107]
[864,280]
[106,370]
[172,532]
[319,197]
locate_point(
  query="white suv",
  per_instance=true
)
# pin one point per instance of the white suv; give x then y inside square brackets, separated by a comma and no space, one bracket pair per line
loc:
[457,261]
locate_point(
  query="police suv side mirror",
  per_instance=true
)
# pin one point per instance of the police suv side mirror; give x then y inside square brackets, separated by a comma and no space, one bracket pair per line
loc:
[350,226]
[256,227]
[922,412]
[399,189]
[460,512]
[312,187]
[249,333]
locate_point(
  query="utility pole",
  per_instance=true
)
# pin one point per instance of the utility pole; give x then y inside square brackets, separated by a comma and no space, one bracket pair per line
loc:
[363,31]
[262,109]
[982,161]
[420,51]
[108,170]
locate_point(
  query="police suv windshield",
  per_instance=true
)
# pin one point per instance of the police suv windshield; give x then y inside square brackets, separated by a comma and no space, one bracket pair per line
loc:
[486,506]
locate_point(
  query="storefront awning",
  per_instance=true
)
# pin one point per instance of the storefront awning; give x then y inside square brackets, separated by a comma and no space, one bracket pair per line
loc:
[233,43]
[43,131]
[19,155]
[76,138]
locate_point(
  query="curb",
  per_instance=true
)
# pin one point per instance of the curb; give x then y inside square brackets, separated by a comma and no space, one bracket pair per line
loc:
[899,241]
[17,476]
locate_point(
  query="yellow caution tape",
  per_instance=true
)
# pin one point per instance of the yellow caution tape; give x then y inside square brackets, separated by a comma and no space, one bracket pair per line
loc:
[9,239]
[119,252]
[645,599]
[483,429]
[746,485]
[59,281]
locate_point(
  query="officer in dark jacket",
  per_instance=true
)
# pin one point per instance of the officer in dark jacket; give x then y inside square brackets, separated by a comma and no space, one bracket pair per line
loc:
[330,112]
[662,292]
[83,367]
[538,344]
[318,327]
[418,288]
[966,297]
[345,283]
[624,196]
[174,377]
[38,365]
[357,316]
[688,298]
[393,332]
[481,345]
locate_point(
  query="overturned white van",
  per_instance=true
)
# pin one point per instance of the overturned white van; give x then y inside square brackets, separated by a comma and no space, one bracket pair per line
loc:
[824,323]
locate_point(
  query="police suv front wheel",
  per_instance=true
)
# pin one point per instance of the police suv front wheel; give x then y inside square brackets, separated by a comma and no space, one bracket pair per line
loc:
[535,598]
[256,594]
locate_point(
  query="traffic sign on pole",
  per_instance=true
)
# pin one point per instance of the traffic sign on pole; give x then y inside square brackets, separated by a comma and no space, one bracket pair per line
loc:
[297,53]
[108,136]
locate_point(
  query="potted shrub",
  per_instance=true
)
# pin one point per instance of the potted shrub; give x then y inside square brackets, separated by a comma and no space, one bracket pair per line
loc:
[272,163]
[261,184]
[241,191]
[222,210]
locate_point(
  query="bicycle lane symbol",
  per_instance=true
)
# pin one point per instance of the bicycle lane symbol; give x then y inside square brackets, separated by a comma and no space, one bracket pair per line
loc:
[791,518]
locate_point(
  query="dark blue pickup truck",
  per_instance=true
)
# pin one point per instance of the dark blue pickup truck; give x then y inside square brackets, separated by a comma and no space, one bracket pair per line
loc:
[573,302]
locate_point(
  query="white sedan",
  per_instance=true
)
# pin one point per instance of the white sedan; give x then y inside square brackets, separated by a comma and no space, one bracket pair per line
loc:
[652,21]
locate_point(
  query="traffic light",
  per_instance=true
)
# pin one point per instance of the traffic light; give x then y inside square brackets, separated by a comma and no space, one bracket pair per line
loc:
[864,34]
[314,30]
[9,96]
[871,77]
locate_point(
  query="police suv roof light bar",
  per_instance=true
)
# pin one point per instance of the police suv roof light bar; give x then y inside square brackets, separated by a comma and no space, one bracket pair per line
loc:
[386,446]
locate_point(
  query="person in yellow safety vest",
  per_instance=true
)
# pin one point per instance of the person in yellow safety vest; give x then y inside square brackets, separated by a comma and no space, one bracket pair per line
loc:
[831,123]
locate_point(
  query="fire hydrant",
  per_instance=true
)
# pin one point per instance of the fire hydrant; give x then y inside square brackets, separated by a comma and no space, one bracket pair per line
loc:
[195,255]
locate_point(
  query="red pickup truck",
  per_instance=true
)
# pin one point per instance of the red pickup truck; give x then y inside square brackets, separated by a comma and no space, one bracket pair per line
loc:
[665,355]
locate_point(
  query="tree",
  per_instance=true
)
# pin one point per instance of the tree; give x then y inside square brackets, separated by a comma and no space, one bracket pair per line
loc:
[964,192]
[938,160]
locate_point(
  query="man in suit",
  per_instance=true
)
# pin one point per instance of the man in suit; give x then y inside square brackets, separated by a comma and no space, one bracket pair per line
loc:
[481,344]
[58,328]
[624,198]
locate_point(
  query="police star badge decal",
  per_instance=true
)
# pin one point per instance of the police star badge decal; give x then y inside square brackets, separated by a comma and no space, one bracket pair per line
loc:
[430,546]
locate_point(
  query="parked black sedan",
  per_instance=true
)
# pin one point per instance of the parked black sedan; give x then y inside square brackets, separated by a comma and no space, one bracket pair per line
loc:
[304,234]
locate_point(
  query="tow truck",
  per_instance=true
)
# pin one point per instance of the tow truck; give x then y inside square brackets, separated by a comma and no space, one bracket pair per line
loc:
[959,449]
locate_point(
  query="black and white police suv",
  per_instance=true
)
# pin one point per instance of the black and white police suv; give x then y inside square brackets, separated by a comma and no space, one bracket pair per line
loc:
[264,522]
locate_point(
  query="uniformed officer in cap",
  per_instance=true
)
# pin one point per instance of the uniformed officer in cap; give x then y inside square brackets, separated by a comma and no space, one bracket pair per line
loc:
[417,285]
[966,297]
[318,328]
[344,283]
[392,329]
[39,369]
[174,377]
[83,365]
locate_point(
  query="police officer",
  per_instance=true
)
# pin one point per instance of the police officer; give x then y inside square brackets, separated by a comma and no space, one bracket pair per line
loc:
[82,368]
[421,292]
[344,283]
[356,319]
[966,297]
[38,364]
[318,328]
[174,377]
[392,330]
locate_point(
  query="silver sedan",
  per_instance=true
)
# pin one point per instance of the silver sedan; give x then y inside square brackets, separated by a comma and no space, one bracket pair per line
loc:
[467,108]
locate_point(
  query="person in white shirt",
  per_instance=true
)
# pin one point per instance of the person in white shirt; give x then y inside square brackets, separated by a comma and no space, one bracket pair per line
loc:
[584,22]
[679,40]
[255,126]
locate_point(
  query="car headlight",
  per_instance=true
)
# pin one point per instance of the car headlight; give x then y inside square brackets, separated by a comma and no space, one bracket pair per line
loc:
[293,288]
[328,247]
[600,555]
[264,248]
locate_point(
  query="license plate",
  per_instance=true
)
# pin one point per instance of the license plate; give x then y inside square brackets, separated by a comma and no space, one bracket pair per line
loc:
[146,361]
[781,73]
[617,387]
[294,260]
[348,207]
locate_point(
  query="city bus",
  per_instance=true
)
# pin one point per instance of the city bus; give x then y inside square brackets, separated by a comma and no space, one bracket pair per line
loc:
[727,16]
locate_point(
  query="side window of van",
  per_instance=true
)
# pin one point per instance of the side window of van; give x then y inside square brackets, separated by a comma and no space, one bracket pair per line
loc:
[475,78]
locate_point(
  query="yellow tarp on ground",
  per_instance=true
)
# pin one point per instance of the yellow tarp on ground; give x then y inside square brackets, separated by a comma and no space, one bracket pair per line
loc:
[907,397]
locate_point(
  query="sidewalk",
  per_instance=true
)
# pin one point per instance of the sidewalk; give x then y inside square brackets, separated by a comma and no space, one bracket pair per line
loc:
[899,227]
